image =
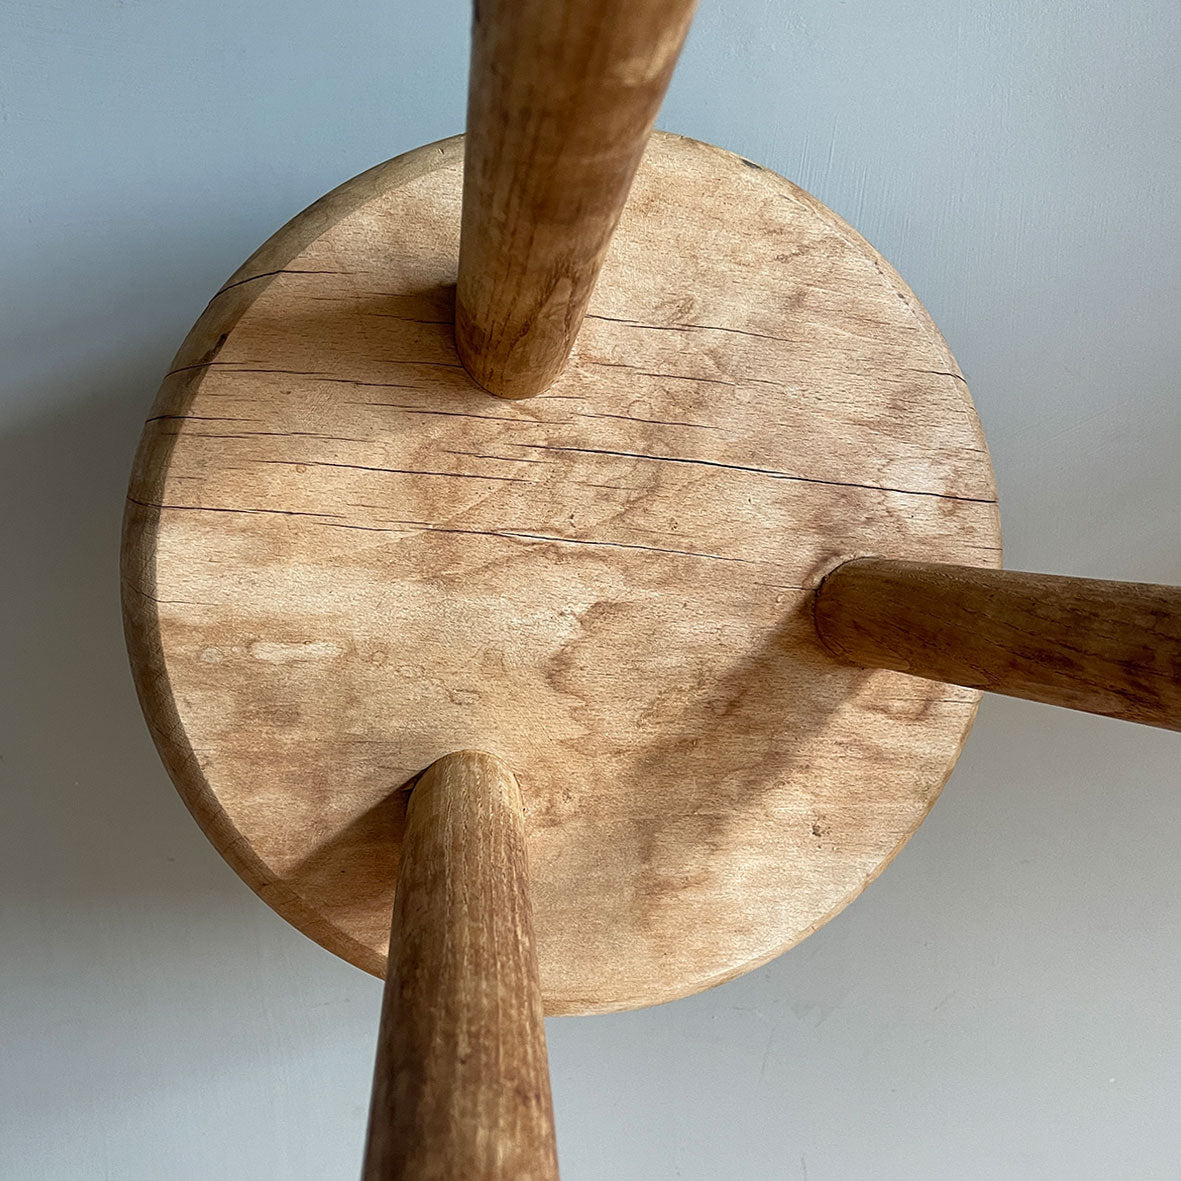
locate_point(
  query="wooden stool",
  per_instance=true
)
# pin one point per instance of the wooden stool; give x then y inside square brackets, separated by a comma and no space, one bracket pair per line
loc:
[630,677]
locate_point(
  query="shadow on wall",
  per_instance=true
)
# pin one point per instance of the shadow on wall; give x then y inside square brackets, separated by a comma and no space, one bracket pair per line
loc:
[115,913]
[84,780]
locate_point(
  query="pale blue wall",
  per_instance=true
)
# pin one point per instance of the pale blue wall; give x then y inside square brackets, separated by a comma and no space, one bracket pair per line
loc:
[1003,1003]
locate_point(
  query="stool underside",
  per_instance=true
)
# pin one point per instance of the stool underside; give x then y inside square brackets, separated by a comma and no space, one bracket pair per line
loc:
[343,560]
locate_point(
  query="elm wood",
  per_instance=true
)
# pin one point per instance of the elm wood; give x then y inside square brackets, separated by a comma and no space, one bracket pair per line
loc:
[561,102]
[461,1084]
[364,562]
[1109,648]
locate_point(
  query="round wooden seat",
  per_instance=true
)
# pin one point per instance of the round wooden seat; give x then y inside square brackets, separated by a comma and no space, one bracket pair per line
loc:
[345,560]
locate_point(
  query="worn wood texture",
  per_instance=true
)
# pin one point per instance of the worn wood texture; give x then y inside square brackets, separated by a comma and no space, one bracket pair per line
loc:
[343,560]
[561,102]
[461,1085]
[1109,648]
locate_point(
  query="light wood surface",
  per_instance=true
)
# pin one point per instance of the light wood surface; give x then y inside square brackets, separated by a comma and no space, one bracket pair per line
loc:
[1109,648]
[561,101]
[461,1085]
[343,560]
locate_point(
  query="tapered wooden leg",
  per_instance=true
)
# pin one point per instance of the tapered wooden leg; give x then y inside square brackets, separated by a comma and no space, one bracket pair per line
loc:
[1109,648]
[561,101]
[461,1086]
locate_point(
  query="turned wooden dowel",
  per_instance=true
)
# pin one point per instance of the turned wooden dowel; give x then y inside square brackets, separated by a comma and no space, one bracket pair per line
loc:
[1109,648]
[461,1086]
[561,101]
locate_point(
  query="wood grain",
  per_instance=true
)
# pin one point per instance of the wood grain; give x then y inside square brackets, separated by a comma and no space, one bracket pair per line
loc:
[343,560]
[461,1084]
[561,102]
[1109,648]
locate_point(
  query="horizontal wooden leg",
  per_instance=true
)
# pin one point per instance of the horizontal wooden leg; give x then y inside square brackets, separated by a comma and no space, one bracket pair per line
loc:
[1109,648]
[461,1086]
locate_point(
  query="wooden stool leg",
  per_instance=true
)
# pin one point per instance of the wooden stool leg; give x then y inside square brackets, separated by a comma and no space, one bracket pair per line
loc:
[1109,648]
[461,1086]
[561,101]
